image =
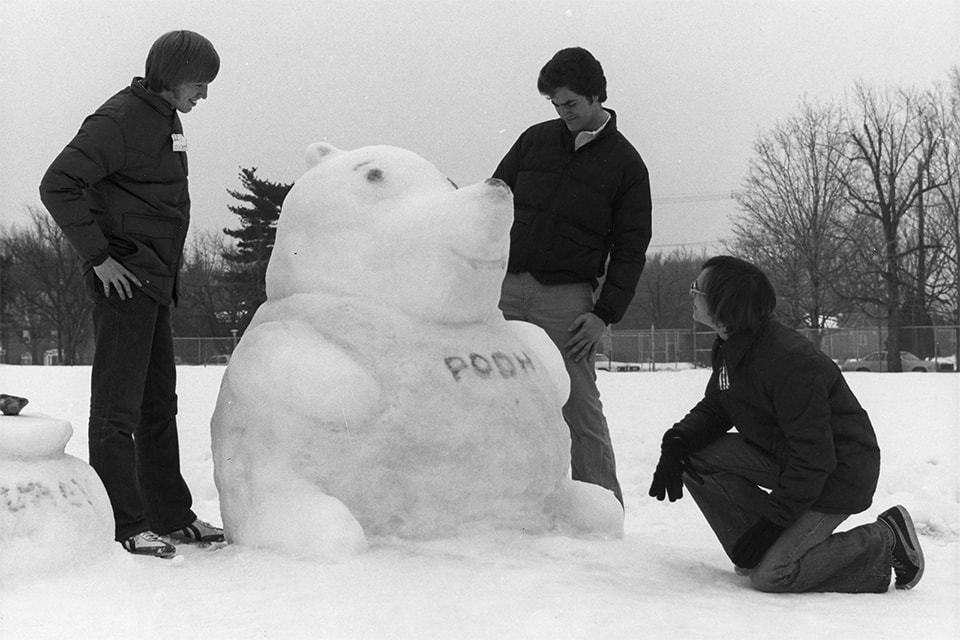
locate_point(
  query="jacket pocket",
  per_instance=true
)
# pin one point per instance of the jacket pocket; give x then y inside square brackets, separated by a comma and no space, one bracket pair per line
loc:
[579,250]
[155,232]
[523,219]
[143,261]
[535,189]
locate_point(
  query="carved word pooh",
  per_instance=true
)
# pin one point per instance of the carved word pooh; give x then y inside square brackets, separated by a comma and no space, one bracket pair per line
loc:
[379,391]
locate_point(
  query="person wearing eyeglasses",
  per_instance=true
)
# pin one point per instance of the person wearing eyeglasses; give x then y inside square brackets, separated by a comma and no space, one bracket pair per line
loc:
[803,457]
[582,210]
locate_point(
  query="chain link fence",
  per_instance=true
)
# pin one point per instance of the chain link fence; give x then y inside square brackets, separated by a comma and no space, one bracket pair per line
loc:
[204,351]
[643,350]
[676,348]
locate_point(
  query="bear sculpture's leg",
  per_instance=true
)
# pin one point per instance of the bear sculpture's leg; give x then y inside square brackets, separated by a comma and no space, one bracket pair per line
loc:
[585,509]
[279,511]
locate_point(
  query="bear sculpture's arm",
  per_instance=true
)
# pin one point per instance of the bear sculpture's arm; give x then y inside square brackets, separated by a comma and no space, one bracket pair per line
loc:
[538,341]
[314,377]
[285,391]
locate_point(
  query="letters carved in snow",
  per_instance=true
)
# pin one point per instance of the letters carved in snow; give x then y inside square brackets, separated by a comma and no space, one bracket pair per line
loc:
[495,366]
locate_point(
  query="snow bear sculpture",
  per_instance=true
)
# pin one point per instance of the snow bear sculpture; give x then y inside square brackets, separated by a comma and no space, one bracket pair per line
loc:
[378,390]
[54,510]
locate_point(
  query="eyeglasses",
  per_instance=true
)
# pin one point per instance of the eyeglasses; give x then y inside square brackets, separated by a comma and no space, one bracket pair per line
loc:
[695,290]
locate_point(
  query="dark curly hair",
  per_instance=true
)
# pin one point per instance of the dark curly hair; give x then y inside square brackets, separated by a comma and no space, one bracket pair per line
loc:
[740,297]
[576,69]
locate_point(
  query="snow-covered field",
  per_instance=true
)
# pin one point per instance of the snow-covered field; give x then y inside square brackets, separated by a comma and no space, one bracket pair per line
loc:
[667,578]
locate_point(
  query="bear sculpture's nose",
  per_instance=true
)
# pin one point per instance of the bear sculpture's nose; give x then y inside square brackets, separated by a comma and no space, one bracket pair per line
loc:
[500,187]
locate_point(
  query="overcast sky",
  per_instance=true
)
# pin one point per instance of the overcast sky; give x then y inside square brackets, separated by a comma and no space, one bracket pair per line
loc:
[692,82]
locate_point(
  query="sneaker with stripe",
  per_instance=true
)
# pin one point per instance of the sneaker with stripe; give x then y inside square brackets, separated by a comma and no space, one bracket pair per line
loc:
[147,543]
[906,552]
[197,532]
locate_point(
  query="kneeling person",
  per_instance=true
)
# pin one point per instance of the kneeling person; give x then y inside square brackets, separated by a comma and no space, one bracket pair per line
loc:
[804,457]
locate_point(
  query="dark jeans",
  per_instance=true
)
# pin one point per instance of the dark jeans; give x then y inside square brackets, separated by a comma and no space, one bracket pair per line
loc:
[553,308]
[133,407]
[808,556]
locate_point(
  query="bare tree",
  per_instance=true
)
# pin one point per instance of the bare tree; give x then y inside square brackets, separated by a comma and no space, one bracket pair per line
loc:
[5,294]
[930,272]
[889,147]
[49,285]
[945,219]
[662,298]
[792,214]
[204,308]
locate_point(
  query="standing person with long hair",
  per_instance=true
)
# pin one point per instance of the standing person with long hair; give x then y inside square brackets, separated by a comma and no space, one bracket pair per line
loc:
[119,192]
[804,456]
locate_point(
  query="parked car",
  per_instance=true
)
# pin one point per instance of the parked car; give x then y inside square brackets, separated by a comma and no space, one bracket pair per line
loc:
[877,361]
[603,363]
[219,358]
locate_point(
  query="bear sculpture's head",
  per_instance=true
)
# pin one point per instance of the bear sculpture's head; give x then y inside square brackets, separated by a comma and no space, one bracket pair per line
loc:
[384,225]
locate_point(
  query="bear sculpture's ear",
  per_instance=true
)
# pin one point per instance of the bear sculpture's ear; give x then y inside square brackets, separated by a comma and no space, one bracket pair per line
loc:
[318,152]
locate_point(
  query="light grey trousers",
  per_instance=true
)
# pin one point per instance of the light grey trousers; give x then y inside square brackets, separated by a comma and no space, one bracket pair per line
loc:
[553,308]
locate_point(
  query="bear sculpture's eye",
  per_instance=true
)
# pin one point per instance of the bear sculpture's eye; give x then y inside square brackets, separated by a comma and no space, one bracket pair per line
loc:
[375,175]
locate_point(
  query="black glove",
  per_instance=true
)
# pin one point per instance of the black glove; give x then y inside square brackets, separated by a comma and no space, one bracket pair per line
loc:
[674,461]
[749,549]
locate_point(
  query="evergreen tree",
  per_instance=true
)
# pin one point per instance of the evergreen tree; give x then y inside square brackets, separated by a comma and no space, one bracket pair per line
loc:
[247,261]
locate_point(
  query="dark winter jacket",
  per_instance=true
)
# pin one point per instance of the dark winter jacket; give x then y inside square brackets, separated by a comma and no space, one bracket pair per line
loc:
[789,399]
[120,189]
[573,208]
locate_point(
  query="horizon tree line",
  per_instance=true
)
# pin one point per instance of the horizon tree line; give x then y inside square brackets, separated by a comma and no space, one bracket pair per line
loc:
[850,206]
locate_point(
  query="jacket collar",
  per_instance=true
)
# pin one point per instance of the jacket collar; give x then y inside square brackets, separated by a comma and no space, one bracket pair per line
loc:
[156,102]
[737,346]
[611,124]
[608,129]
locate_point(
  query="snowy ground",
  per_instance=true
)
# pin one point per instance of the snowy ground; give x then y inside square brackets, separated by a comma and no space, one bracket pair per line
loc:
[666,579]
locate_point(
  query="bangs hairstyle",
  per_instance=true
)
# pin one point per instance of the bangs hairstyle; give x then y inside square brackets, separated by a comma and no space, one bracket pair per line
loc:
[740,297]
[180,57]
[576,69]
